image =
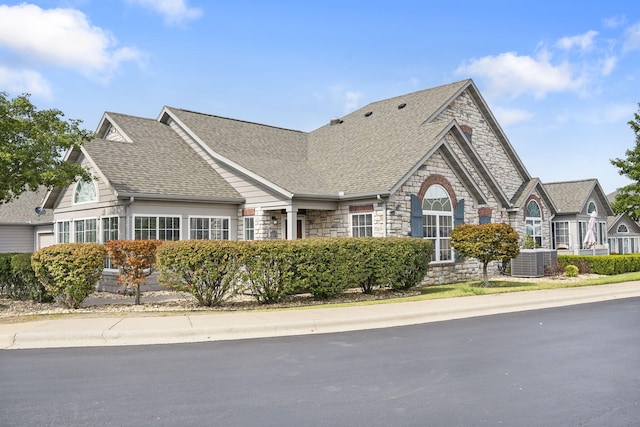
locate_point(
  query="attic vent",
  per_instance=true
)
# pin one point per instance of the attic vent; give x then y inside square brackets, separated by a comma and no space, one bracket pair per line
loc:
[335,121]
[368,113]
[401,106]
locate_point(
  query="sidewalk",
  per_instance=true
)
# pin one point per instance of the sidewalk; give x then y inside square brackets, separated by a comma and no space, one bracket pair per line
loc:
[198,327]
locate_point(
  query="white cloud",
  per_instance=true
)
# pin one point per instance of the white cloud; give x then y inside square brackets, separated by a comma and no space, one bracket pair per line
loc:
[24,81]
[584,41]
[508,117]
[632,38]
[510,74]
[175,12]
[62,38]
[614,21]
[347,99]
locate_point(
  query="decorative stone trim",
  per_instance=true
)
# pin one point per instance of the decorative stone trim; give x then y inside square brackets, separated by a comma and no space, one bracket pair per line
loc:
[484,211]
[249,212]
[360,208]
[441,180]
[540,205]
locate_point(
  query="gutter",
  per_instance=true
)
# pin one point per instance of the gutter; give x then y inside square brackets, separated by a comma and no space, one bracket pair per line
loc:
[181,198]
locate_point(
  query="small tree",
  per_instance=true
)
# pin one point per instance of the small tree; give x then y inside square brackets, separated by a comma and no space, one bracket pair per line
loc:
[486,243]
[628,197]
[32,143]
[136,260]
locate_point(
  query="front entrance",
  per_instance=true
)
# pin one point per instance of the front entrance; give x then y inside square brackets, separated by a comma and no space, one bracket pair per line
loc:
[299,234]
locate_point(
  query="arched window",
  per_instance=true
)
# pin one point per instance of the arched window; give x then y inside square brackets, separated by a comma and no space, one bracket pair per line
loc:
[438,222]
[85,192]
[591,206]
[533,222]
[622,229]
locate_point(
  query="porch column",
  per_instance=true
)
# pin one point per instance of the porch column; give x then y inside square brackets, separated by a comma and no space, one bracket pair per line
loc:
[292,223]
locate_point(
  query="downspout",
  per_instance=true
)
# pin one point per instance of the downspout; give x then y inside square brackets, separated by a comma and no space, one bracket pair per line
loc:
[384,216]
[128,225]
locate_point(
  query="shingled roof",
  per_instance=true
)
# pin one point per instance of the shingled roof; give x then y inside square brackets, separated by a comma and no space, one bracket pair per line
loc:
[156,163]
[22,209]
[571,196]
[354,155]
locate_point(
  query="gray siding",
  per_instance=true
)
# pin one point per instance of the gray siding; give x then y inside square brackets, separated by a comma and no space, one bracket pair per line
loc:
[16,238]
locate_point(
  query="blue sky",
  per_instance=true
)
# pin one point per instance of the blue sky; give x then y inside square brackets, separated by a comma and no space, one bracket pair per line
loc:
[561,77]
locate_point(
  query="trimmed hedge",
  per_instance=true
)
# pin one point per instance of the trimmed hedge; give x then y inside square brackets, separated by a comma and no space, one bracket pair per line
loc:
[271,270]
[18,280]
[207,269]
[602,264]
[69,271]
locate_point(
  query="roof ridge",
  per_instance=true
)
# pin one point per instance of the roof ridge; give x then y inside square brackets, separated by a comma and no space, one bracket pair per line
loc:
[235,120]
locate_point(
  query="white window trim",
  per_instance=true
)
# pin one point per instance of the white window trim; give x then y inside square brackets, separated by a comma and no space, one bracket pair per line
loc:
[360,214]
[438,238]
[211,217]
[84,219]
[68,222]
[245,228]
[157,217]
[75,191]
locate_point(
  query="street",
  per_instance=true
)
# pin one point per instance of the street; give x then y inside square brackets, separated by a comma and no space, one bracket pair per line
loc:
[570,366]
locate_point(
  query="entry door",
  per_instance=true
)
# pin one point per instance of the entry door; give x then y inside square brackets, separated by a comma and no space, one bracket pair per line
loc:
[298,230]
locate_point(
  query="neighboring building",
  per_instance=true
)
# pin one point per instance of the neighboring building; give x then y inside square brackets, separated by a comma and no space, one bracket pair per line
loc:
[21,228]
[576,200]
[414,165]
[624,235]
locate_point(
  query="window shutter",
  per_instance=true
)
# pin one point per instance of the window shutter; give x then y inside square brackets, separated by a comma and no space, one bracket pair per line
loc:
[417,220]
[458,219]
[458,213]
[485,220]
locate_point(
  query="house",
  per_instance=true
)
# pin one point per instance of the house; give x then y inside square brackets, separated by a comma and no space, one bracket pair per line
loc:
[415,165]
[22,227]
[575,201]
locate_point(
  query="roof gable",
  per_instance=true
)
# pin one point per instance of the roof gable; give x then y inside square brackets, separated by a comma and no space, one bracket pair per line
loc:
[571,197]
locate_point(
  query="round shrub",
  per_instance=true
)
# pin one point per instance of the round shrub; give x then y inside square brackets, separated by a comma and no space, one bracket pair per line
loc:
[69,271]
[571,271]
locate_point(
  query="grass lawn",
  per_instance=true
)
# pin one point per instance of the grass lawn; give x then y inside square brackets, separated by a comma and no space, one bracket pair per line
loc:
[496,286]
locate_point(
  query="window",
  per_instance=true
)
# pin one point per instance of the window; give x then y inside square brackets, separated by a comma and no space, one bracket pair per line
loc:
[622,229]
[109,232]
[85,230]
[438,222]
[161,227]
[362,225]
[561,235]
[533,222]
[85,192]
[109,229]
[249,229]
[212,228]
[591,206]
[63,233]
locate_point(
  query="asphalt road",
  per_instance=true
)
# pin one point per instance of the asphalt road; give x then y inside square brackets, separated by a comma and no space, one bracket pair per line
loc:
[570,366]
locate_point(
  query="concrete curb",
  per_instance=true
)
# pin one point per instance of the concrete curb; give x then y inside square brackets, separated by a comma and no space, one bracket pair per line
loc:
[199,327]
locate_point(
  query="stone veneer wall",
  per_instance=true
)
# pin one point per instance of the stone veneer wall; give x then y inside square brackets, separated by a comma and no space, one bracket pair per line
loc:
[484,140]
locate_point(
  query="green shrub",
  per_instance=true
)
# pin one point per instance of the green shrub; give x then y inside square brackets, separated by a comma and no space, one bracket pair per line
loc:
[571,271]
[69,271]
[270,269]
[207,269]
[323,267]
[602,264]
[6,274]
[26,285]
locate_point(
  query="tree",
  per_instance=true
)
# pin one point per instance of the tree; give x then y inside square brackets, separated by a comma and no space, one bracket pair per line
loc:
[136,260]
[486,243]
[32,144]
[628,197]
